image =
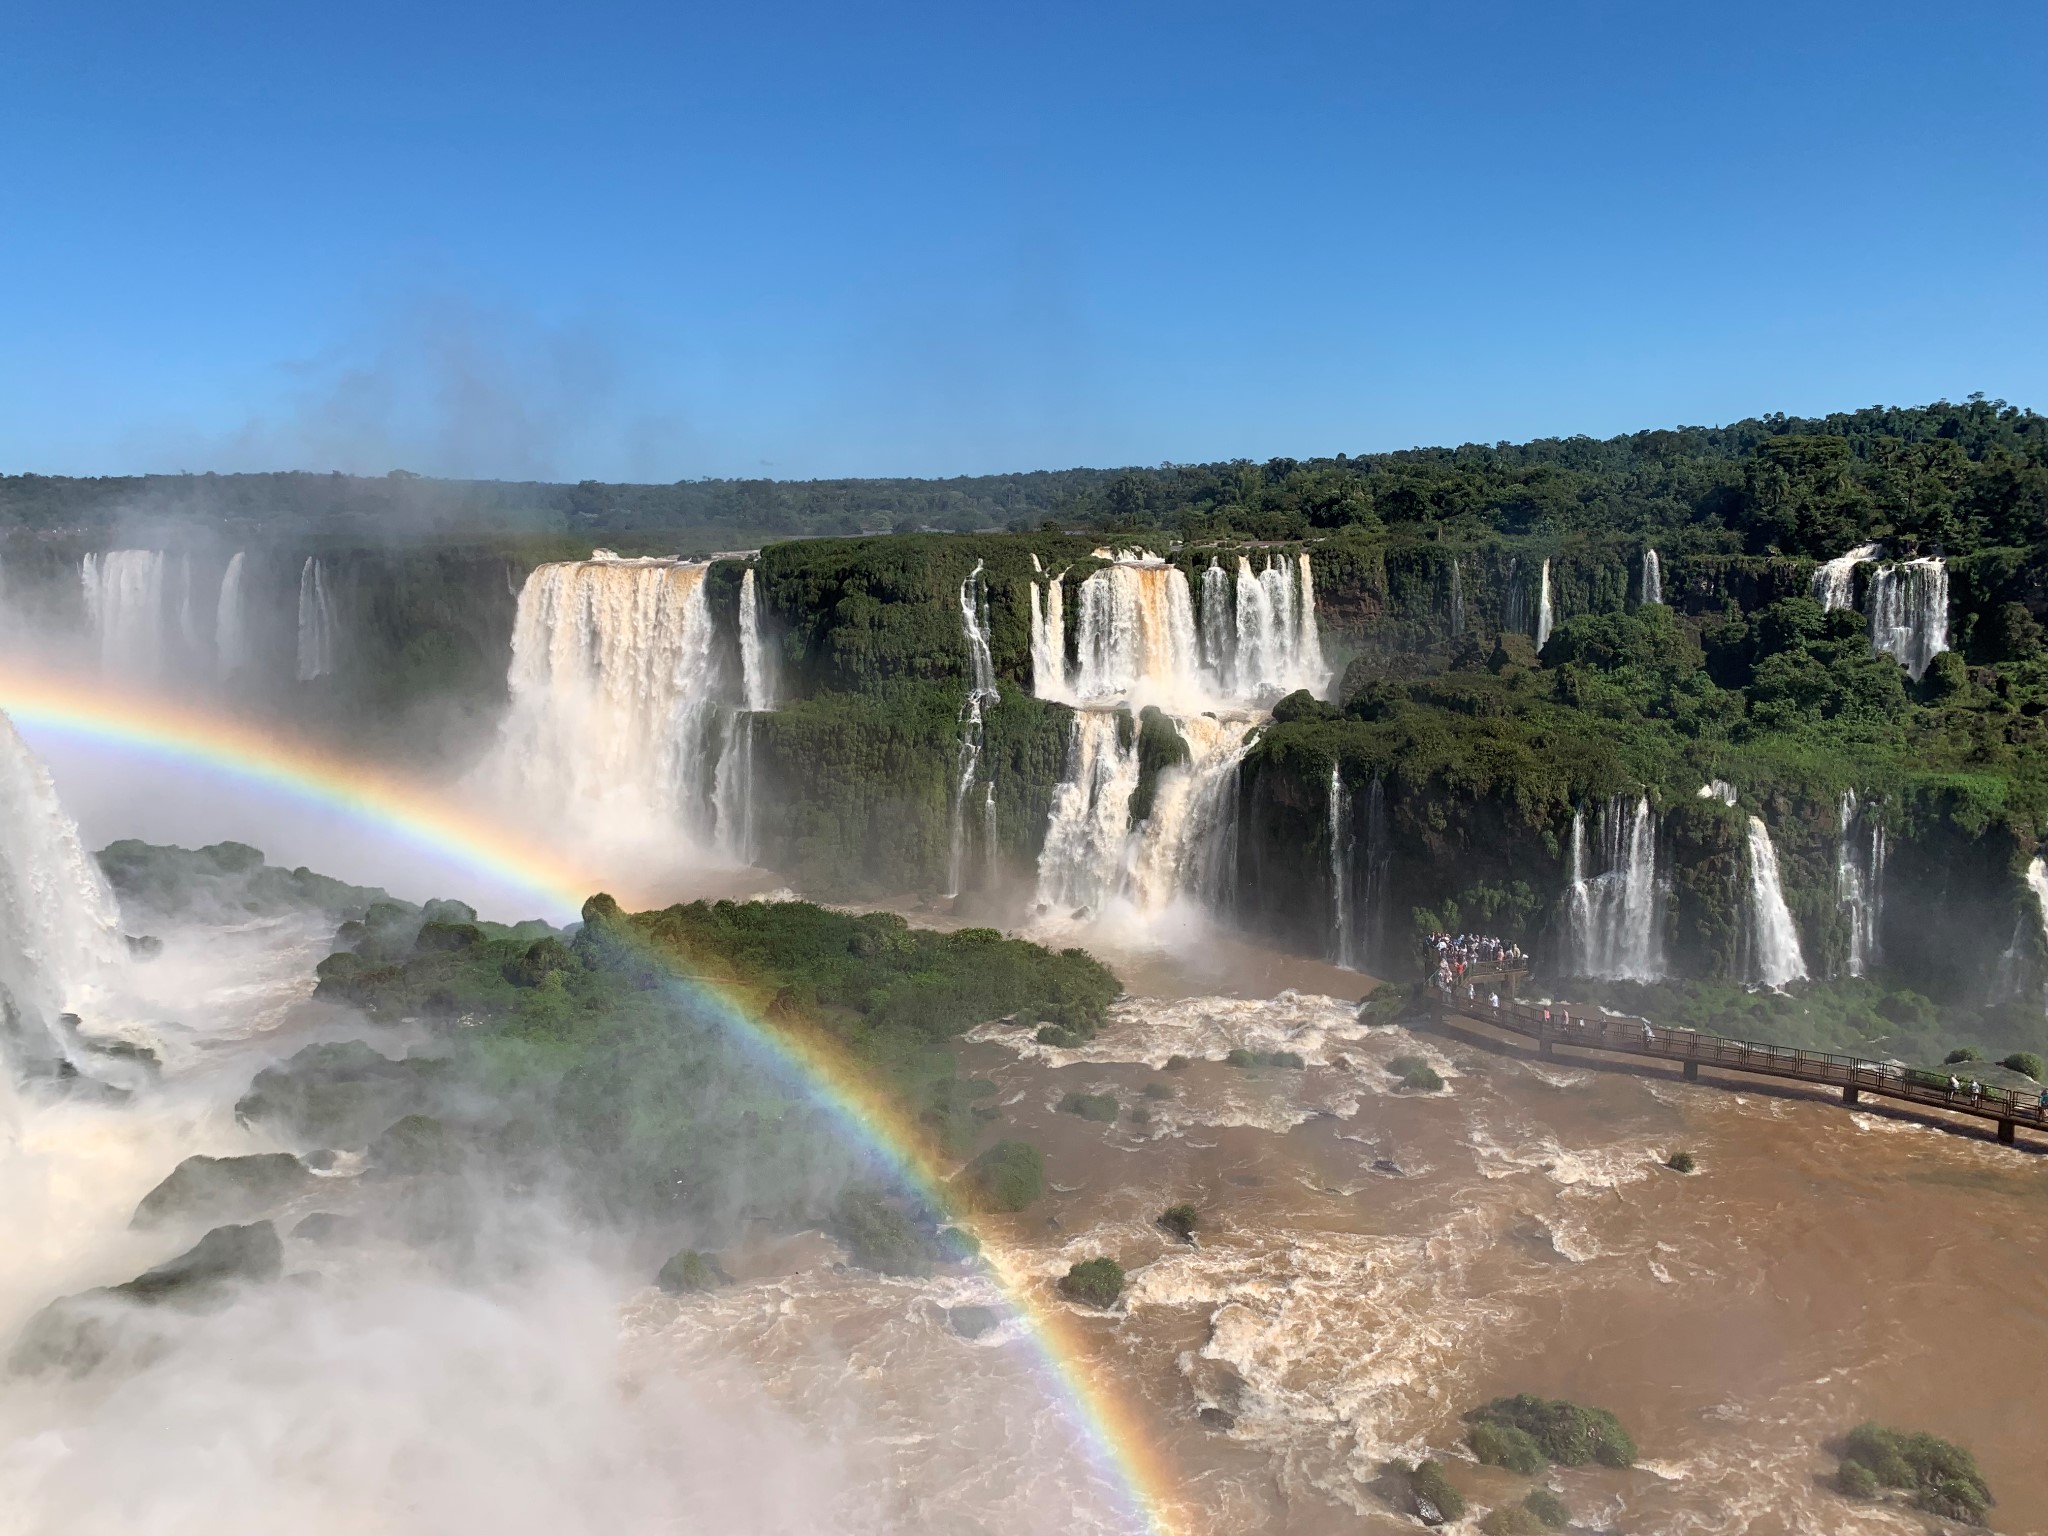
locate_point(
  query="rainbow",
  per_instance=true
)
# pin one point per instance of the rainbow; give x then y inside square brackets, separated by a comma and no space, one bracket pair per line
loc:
[1123,1457]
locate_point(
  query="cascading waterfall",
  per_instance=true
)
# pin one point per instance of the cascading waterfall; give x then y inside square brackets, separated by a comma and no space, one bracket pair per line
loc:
[1219,627]
[1139,643]
[1859,880]
[732,794]
[188,611]
[1908,609]
[1544,616]
[1095,858]
[981,694]
[60,937]
[124,604]
[316,622]
[1342,839]
[230,623]
[1834,582]
[1775,956]
[1653,577]
[1457,606]
[614,698]
[1616,916]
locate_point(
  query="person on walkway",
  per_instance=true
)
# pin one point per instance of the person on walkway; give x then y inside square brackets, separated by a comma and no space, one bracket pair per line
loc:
[1495,1000]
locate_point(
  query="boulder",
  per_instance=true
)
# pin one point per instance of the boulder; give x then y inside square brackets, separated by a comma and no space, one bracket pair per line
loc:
[223,1188]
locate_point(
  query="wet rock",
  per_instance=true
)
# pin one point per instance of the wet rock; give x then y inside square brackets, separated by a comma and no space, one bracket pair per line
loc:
[1389,1167]
[143,946]
[223,1188]
[78,1333]
[328,1229]
[972,1322]
[416,1144]
[689,1272]
[322,1160]
[1217,1418]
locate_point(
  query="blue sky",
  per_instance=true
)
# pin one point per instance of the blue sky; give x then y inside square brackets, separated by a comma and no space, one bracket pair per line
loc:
[656,242]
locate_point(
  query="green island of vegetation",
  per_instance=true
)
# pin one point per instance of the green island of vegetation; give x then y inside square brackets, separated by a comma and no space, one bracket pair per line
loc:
[1094,1283]
[1939,1477]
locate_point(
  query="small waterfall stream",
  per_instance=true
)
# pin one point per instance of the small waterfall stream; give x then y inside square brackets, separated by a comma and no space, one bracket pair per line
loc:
[1834,582]
[1652,578]
[1859,879]
[1343,838]
[981,693]
[1544,615]
[1457,604]
[230,622]
[732,793]
[1775,956]
[1616,916]
[316,622]
[1908,609]
[124,605]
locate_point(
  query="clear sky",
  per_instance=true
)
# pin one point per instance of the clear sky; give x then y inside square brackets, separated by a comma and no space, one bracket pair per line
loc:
[658,241]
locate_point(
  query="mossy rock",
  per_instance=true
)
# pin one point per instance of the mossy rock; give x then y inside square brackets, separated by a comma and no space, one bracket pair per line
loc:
[1181,1221]
[417,1144]
[1414,1074]
[1504,1445]
[1094,1283]
[1428,1485]
[689,1272]
[1007,1177]
[1941,1475]
[1568,1433]
[1101,1107]
[223,1188]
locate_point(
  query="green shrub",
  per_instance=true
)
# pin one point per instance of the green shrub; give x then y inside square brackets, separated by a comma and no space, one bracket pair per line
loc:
[1427,1481]
[1245,1058]
[2027,1064]
[1548,1508]
[1941,1475]
[1681,1162]
[1181,1221]
[1962,1054]
[1094,1283]
[1503,1445]
[689,1272]
[1177,1063]
[1092,1106]
[1415,1075]
[1512,1520]
[1007,1177]
[1568,1433]
[1858,1481]
[1156,1090]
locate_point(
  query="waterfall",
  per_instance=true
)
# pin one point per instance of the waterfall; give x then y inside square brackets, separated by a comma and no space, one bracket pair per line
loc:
[1049,638]
[124,604]
[1775,958]
[60,937]
[1616,916]
[188,613]
[1219,629]
[1342,838]
[757,662]
[1094,857]
[230,623]
[1859,880]
[316,622]
[614,689]
[1139,641]
[1834,582]
[1653,577]
[1543,610]
[981,692]
[1457,614]
[1908,609]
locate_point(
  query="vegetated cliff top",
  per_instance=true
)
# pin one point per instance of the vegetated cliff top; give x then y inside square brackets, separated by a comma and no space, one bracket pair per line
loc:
[1957,475]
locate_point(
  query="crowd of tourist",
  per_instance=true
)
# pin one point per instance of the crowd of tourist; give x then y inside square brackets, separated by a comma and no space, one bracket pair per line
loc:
[1458,954]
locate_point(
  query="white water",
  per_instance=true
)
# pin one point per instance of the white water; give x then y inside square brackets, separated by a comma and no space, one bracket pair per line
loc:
[1908,608]
[1544,615]
[1617,915]
[1095,861]
[1653,577]
[1834,583]
[124,605]
[316,622]
[1342,837]
[1775,956]
[1457,614]
[1859,880]
[2016,963]
[60,938]
[732,791]
[981,694]
[1138,642]
[613,699]
[230,622]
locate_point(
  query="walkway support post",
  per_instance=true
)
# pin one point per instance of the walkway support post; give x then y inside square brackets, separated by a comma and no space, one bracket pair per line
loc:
[1692,1071]
[1851,1093]
[2005,1133]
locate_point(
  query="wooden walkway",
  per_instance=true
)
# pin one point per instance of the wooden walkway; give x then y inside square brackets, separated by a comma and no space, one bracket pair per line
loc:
[1558,1024]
